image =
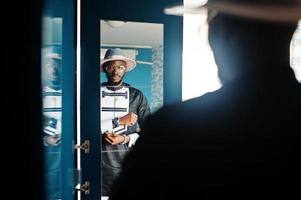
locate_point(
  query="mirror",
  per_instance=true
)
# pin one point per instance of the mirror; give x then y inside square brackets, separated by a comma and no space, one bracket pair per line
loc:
[52,105]
[143,44]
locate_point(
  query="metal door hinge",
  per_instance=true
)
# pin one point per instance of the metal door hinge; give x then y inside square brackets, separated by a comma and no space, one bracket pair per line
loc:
[84,146]
[85,188]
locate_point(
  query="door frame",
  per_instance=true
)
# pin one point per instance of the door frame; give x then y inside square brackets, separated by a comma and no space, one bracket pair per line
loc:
[92,12]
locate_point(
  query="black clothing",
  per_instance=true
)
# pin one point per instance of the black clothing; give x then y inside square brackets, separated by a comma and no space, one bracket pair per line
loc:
[245,137]
[113,155]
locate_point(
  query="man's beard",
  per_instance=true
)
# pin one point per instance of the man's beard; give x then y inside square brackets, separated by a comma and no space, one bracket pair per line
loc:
[56,84]
[115,83]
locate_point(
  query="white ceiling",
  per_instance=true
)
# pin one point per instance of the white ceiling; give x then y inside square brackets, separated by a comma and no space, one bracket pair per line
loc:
[131,34]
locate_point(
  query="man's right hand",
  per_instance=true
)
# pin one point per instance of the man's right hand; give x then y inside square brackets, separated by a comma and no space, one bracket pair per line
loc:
[114,139]
[52,140]
[129,119]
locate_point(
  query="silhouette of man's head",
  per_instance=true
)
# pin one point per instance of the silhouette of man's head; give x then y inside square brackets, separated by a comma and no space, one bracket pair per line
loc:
[247,36]
[244,46]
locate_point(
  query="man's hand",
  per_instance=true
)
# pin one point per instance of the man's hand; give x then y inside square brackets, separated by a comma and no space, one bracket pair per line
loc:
[52,140]
[113,139]
[129,119]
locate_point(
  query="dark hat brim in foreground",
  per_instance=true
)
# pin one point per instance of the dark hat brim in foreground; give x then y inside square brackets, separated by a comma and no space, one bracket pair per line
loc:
[288,13]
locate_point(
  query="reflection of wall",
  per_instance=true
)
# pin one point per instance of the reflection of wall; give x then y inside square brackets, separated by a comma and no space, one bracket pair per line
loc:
[157,79]
[141,76]
[52,31]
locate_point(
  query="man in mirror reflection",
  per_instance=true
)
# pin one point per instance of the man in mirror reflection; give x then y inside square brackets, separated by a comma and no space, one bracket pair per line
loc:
[52,111]
[123,111]
[243,137]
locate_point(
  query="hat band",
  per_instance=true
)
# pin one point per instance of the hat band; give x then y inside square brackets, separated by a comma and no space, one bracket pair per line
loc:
[116,57]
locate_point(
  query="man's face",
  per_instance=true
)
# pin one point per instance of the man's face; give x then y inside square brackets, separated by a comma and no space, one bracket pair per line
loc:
[53,71]
[115,71]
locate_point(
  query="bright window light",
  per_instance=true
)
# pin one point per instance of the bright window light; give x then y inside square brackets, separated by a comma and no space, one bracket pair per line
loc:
[199,74]
[296,52]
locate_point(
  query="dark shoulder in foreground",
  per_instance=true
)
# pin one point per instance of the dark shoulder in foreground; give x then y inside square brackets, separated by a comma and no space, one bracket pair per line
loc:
[133,89]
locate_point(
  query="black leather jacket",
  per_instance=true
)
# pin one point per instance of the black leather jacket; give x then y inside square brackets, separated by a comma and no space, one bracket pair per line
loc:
[113,155]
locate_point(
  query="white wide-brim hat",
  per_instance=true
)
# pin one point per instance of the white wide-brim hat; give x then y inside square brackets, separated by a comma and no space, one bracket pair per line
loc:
[117,54]
[287,11]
